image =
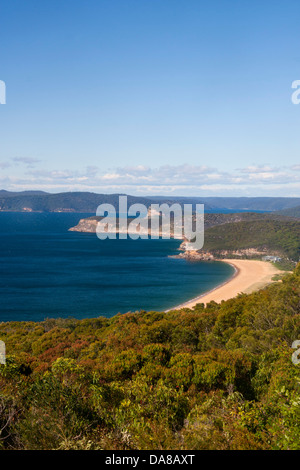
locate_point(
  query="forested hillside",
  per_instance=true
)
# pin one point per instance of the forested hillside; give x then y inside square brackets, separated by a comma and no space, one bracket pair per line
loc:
[292,212]
[268,233]
[219,377]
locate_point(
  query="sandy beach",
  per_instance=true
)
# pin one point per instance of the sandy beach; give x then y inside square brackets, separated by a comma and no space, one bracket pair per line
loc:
[250,275]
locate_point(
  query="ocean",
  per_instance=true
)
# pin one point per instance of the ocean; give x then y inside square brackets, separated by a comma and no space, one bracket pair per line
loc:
[48,272]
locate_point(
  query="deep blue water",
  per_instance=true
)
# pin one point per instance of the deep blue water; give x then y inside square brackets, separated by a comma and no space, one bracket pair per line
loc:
[47,271]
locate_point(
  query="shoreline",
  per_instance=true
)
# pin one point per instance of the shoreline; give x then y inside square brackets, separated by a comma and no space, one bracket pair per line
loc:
[249,276]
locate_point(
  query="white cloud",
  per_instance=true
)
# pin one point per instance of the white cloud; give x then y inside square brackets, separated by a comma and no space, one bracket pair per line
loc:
[180,180]
[257,169]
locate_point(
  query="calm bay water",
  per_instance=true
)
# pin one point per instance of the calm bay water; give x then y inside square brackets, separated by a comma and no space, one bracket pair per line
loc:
[46,271]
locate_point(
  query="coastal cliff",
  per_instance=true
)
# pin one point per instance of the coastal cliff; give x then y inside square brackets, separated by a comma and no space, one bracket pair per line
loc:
[86,225]
[89,225]
[246,235]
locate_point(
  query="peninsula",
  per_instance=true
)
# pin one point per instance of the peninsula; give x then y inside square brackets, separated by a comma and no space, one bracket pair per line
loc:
[244,240]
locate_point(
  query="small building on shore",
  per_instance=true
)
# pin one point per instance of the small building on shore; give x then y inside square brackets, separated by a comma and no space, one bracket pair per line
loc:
[271,258]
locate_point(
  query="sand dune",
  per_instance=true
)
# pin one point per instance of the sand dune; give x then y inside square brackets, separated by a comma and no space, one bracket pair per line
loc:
[250,275]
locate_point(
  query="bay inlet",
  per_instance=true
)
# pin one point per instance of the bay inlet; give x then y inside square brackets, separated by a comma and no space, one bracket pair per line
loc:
[49,272]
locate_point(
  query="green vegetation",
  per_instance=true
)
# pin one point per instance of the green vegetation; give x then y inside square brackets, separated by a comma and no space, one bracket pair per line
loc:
[219,377]
[284,265]
[280,236]
[292,212]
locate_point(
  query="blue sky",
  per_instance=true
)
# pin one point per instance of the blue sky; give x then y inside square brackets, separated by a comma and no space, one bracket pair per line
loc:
[179,97]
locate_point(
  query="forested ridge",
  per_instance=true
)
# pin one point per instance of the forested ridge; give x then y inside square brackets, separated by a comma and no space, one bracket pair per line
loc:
[215,377]
[84,201]
[270,234]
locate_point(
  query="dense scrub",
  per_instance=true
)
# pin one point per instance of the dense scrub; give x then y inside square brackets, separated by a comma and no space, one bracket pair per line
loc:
[219,377]
[282,236]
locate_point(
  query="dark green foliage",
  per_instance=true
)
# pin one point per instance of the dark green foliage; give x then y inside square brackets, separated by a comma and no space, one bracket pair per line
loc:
[281,236]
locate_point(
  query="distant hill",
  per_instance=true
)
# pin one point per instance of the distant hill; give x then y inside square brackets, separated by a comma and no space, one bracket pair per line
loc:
[40,201]
[253,203]
[243,203]
[293,212]
[4,193]
[61,202]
